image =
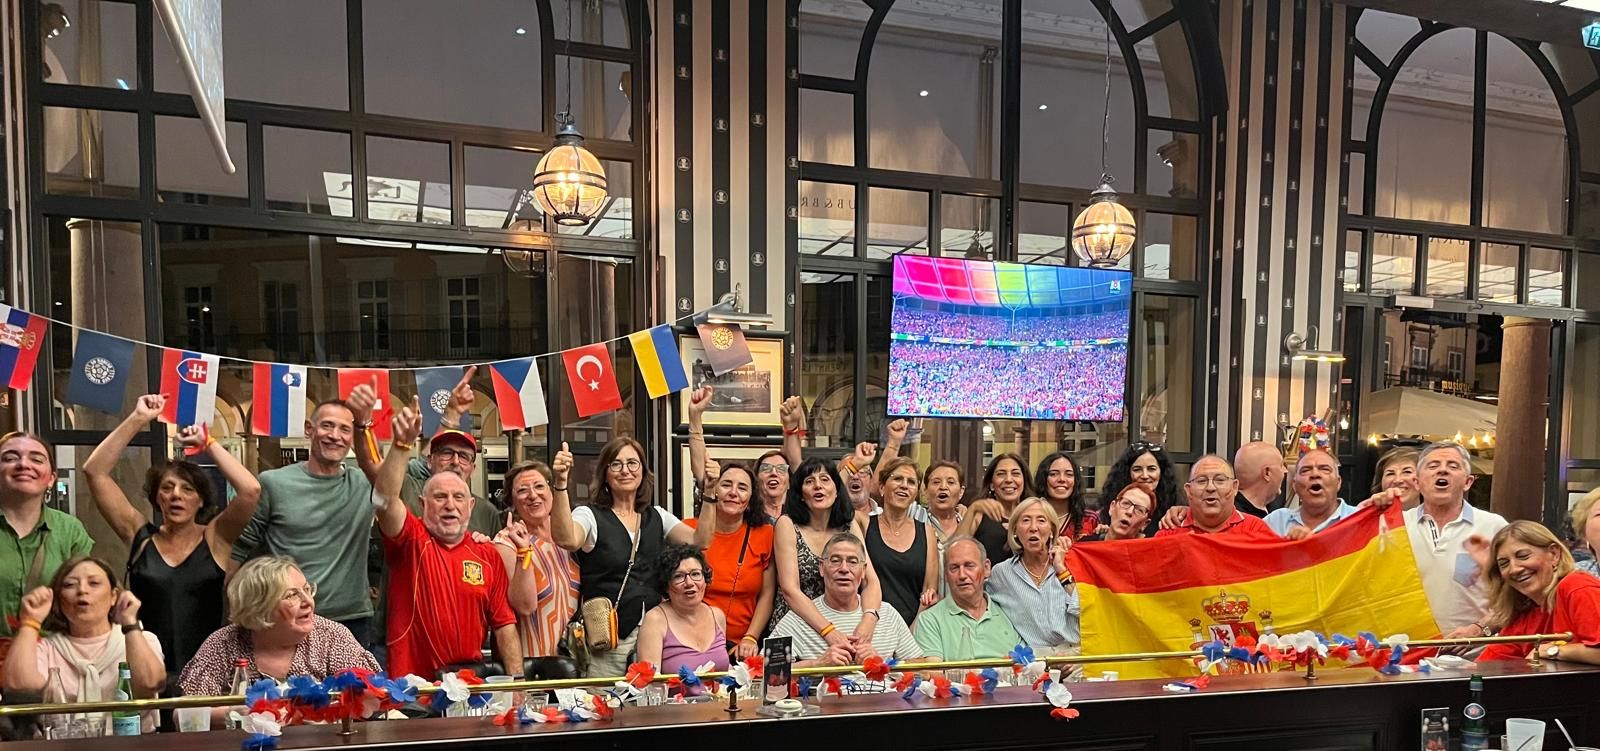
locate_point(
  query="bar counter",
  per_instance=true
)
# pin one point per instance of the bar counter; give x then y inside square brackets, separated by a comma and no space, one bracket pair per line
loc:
[1353,708]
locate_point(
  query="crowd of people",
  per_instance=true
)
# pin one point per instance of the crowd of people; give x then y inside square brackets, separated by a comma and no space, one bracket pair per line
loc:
[1022,325]
[864,556]
[975,380]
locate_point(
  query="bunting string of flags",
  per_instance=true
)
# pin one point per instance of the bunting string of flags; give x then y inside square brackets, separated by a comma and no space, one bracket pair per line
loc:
[102,362]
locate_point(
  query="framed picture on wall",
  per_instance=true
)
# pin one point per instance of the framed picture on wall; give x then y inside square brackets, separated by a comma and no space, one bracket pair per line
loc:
[682,490]
[745,400]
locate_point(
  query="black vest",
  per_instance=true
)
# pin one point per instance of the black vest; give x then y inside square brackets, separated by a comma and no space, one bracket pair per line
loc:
[600,570]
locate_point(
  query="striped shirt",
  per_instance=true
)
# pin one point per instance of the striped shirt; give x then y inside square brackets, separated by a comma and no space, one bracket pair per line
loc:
[555,585]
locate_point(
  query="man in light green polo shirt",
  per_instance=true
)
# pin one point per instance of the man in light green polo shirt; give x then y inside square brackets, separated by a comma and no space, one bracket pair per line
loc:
[965,625]
[34,540]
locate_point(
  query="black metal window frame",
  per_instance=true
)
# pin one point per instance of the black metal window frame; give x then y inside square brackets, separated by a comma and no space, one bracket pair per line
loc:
[146,104]
[1197,20]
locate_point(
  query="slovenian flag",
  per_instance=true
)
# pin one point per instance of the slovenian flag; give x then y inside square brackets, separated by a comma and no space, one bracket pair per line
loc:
[21,338]
[518,393]
[657,356]
[189,382]
[278,399]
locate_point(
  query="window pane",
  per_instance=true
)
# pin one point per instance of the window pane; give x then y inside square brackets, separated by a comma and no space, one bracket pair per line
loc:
[829,43]
[1394,263]
[879,303]
[968,226]
[1042,230]
[89,43]
[1166,368]
[828,219]
[91,152]
[596,302]
[277,51]
[438,61]
[187,169]
[1547,277]
[925,102]
[827,127]
[1169,73]
[1173,164]
[1063,141]
[827,327]
[897,223]
[1525,154]
[599,98]
[1584,390]
[96,281]
[1421,172]
[1169,245]
[408,181]
[308,171]
[596,22]
[1589,210]
[1447,267]
[1350,271]
[615,220]
[495,181]
[1497,273]
[1358,183]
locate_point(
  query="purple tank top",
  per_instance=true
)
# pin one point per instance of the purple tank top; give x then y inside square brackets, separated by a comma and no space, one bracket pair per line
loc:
[674,654]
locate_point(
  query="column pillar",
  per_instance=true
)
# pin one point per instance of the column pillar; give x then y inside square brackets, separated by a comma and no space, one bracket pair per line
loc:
[1518,490]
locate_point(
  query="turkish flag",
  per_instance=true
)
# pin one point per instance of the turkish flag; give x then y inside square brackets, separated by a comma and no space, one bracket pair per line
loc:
[378,378]
[592,379]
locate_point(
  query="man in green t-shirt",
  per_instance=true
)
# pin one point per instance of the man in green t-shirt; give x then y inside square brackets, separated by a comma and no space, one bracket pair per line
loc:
[34,540]
[319,513]
[966,625]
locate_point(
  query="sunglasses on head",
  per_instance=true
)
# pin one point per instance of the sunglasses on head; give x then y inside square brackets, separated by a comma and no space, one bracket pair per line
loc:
[1145,446]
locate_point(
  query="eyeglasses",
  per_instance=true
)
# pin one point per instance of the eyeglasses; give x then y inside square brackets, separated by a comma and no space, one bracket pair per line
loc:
[1131,506]
[307,593]
[767,467]
[632,465]
[696,575]
[1214,481]
[460,455]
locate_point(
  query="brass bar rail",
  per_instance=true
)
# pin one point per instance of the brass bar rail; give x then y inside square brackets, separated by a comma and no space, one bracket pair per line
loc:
[606,682]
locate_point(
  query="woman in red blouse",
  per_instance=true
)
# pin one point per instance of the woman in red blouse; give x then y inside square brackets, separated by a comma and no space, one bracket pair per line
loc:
[1534,589]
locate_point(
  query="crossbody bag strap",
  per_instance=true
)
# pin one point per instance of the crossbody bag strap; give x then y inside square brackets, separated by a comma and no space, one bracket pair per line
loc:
[629,572]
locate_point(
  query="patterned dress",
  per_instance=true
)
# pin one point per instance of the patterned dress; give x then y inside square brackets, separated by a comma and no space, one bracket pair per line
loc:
[810,568]
[327,650]
[555,581]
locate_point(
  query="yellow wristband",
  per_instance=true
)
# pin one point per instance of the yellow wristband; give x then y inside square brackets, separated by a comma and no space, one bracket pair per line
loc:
[33,624]
[748,637]
[828,629]
[403,446]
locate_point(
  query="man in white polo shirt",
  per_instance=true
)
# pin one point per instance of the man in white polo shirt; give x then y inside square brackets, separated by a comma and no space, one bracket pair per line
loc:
[1446,532]
[844,564]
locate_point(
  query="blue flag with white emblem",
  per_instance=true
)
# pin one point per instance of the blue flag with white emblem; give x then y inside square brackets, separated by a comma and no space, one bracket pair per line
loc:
[100,369]
[433,388]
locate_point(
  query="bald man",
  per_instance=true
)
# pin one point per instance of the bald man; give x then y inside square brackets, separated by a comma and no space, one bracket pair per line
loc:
[1261,472]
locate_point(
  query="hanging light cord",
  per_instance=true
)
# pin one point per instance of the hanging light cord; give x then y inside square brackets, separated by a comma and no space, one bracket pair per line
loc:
[1105,122]
[566,50]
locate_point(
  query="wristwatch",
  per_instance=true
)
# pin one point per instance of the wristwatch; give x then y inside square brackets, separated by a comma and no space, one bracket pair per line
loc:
[132,627]
[1553,651]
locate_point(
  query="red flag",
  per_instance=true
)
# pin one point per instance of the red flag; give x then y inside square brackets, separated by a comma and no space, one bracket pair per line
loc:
[592,379]
[378,378]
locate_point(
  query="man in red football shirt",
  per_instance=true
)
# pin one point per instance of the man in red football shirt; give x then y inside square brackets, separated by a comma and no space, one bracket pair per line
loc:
[1211,489]
[446,591]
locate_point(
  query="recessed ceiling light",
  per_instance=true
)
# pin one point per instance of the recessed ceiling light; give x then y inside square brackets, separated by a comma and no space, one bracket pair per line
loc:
[924,92]
[1043,107]
[521,31]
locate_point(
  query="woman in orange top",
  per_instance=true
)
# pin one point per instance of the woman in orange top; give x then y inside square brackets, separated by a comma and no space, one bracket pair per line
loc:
[1534,589]
[741,555]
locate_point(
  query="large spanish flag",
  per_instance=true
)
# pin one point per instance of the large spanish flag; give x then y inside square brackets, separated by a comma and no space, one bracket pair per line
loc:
[1169,594]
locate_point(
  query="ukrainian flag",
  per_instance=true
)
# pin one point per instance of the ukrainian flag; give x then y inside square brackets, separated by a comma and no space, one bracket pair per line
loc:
[1170,593]
[657,355]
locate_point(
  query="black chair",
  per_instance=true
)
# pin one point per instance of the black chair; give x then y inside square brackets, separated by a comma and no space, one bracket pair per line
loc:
[481,668]
[549,668]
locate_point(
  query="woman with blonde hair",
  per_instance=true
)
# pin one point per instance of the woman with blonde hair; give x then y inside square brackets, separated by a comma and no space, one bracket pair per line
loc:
[1034,586]
[1534,589]
[1586,527]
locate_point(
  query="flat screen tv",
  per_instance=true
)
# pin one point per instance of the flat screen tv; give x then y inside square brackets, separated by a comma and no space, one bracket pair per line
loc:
[1008,340]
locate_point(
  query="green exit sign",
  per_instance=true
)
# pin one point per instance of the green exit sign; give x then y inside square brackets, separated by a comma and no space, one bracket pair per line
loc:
[1591,36]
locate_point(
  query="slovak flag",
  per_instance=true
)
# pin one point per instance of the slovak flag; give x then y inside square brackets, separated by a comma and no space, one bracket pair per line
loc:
[21,338]
[189,382]
[592,379]
[278,405]
[518,393]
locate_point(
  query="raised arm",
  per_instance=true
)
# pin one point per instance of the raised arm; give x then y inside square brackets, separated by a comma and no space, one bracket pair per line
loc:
[21,672]
[793,414]
[363,398]
[226,527]
[462,397]
[897,436]
[563,530]
[699,400]
[786,553]
[513,543]
[149,672]
[125,520]
[706,529]
[392,473]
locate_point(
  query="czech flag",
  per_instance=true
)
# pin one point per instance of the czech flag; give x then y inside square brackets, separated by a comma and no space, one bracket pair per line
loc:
[518,393]
[189,382]
[1178,592]
[278,406]
[657,355]
[21,338]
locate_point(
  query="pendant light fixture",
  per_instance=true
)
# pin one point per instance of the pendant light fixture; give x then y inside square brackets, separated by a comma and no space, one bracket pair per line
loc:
[569,184]
[1104,232]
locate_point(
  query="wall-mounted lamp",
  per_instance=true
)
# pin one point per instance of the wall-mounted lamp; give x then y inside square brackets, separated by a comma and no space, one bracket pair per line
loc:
[728,310]
[1305,348]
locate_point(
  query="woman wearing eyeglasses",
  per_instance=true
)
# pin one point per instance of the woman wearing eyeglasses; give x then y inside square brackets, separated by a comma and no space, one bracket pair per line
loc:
[276,632]
[617,540]
[1145,464]
[1126,515]
[684,631]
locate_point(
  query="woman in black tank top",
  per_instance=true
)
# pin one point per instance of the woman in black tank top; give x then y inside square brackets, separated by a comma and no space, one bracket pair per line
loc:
[900,548]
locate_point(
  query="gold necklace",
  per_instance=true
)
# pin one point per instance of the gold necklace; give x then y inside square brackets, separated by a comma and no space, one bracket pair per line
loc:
[1037,578]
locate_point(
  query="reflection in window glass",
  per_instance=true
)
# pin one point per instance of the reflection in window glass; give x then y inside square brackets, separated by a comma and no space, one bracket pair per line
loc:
[1584,390]
[1169,74]
[91,152]
[1589,210]
[495,181]
[96,281]
[309,171]
[1358,183]
[897,223]
[90,33]
[187,167]
[829,43]
[1447,267]
[601,22]
[1497,272]
[1173,164]
[968,224]
[827,328]
[268,60]
[1169,245]
[408,181]
[923,102]
[1062,142]
[828,219]
[1394,263]
[1524,154]
[615,219]
[1168,359]
[1042,231]
[435,61]
[1547,277]
[827,127]
[1421,174]
[1350,270]
[880,301]
[600,97]
[595,302]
